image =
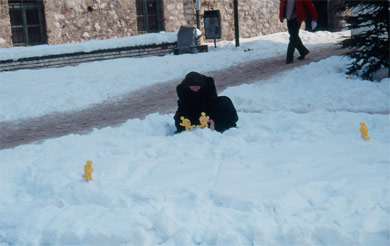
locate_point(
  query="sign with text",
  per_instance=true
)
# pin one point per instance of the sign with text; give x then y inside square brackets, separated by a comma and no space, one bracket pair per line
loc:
[212,24]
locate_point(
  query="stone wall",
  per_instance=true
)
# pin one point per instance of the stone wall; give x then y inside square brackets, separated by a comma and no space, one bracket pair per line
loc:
[173,12]
[70,21]
[260,18]
[5,25]
[189,13]
[255,17]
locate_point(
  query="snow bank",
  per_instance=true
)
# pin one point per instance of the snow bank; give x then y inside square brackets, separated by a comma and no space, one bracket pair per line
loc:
[318,86]
[294,172]
[279,178]
[33,93]
[16,53]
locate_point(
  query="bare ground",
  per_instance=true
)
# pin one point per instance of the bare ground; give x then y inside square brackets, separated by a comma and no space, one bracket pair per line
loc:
[160,97]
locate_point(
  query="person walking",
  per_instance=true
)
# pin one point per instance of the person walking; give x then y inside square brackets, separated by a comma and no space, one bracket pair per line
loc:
[295,11]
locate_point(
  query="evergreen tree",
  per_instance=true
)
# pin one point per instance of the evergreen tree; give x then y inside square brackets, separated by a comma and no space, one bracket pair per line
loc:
[369,42]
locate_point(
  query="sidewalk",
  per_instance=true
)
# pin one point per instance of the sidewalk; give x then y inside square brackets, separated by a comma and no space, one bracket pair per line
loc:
[159,98]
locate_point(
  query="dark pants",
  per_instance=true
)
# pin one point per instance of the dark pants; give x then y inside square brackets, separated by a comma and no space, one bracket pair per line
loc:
[227,114]
[295,41]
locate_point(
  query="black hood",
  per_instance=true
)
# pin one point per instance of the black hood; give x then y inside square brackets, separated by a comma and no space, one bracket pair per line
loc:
[194,79]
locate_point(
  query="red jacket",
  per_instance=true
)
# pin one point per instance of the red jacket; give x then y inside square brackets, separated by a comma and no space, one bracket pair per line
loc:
[301,9]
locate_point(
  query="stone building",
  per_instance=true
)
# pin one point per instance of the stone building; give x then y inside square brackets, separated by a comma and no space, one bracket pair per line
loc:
[31,22]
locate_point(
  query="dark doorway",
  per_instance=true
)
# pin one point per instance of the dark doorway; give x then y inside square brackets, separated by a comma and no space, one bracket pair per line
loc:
[322,11]
[27,22]
[149,16]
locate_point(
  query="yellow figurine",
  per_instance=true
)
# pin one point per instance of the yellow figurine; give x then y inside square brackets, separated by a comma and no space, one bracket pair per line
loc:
[186,123]
[364,131]
[203,119]
[88,169]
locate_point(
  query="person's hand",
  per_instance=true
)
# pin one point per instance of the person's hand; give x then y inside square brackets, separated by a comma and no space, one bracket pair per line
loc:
[212,124]
[313,24]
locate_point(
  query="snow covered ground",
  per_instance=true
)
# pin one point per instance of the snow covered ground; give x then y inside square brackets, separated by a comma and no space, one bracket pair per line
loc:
[36,93]
[43,50]
[294,172]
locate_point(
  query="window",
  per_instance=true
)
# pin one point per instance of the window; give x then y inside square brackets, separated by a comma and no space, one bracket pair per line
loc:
[27,22]
[149,16]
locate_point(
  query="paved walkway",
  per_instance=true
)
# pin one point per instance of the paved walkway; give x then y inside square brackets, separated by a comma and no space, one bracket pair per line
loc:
[138,104]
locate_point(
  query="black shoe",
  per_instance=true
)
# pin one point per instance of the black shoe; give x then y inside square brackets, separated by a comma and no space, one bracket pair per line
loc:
[289,61]
[302,56]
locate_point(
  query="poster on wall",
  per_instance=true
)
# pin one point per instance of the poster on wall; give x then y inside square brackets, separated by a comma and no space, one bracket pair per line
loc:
[212,24]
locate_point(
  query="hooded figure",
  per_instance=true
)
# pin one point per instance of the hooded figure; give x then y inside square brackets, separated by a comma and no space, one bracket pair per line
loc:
[197,94]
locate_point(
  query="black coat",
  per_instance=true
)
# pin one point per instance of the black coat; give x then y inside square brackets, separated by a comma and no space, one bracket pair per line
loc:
[192,104]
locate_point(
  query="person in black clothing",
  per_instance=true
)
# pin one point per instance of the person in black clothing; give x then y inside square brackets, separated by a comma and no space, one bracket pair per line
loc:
[197,94]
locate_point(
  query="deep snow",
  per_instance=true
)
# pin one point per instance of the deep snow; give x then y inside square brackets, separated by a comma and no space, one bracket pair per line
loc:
[294,172]
[36,93]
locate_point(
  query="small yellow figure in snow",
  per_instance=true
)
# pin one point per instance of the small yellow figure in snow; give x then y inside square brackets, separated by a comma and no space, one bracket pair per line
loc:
[186,123]
[88,169]
[203,119]
[364,131]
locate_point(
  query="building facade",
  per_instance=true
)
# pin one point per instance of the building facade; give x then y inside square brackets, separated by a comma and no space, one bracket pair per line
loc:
[31,22]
